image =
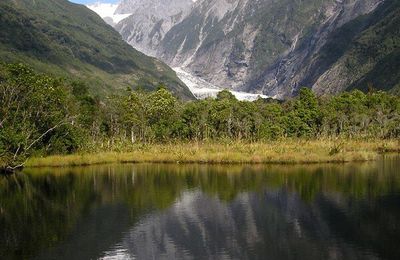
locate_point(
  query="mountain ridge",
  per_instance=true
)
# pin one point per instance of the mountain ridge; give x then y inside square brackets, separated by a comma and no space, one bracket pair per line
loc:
[69,40]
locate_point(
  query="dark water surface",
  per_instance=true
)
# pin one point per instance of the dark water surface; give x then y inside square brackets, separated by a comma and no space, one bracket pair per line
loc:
[335,211]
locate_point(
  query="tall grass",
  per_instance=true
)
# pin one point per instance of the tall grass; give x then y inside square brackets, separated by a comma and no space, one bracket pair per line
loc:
[282,152]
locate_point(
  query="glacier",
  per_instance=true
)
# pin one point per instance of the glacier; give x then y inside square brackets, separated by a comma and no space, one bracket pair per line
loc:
[202,89]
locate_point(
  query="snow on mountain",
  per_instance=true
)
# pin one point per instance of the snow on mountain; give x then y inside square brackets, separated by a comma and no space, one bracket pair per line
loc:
[107,12]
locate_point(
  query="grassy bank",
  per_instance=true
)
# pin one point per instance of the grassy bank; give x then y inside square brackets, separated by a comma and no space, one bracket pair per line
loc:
[282,152]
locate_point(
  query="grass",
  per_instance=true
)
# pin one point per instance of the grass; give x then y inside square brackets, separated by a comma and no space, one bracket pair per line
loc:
[278,152]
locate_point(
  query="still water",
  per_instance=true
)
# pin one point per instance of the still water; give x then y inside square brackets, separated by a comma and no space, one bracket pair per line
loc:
[155,211]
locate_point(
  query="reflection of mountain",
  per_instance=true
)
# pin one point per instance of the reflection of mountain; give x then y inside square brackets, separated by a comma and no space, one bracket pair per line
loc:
[277,225]
[197,211]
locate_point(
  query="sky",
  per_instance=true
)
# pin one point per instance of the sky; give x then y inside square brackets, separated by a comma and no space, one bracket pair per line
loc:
[93,1]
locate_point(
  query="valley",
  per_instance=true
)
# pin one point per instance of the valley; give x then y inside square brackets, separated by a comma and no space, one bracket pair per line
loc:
[271,48]
[207,129]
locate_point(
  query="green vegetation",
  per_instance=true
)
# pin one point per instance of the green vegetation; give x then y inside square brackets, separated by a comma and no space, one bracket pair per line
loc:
[42,116]
[69,40]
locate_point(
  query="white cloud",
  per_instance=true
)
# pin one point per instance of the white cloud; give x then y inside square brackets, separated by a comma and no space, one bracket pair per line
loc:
[107,10]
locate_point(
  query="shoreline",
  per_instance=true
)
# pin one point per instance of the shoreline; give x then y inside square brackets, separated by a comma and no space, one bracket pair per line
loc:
[278,152]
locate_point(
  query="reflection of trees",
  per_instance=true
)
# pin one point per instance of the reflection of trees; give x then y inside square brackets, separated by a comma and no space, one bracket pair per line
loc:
[37,212]
[44,208]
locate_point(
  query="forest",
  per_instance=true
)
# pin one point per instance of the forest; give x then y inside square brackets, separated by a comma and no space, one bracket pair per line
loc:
[41,115]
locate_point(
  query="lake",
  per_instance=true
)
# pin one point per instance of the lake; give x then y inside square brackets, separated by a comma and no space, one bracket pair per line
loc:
[167,211]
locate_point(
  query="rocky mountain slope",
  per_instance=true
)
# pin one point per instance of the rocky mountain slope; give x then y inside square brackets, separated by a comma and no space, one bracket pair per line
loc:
[69,40]
[276,47]
[150,21]
[363,53]
[344,52]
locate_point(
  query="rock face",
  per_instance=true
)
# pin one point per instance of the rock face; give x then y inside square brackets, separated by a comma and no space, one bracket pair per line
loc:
[150,21]
[272,47]
[208,41]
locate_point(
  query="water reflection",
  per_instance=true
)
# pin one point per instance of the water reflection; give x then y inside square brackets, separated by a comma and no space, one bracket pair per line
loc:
[346,211]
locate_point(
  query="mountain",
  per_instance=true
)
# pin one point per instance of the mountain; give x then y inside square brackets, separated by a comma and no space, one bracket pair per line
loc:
[276,47]
[69,40]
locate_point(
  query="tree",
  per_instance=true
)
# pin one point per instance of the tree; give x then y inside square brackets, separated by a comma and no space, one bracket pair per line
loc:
[162,108]
[135,115]
[34,108]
